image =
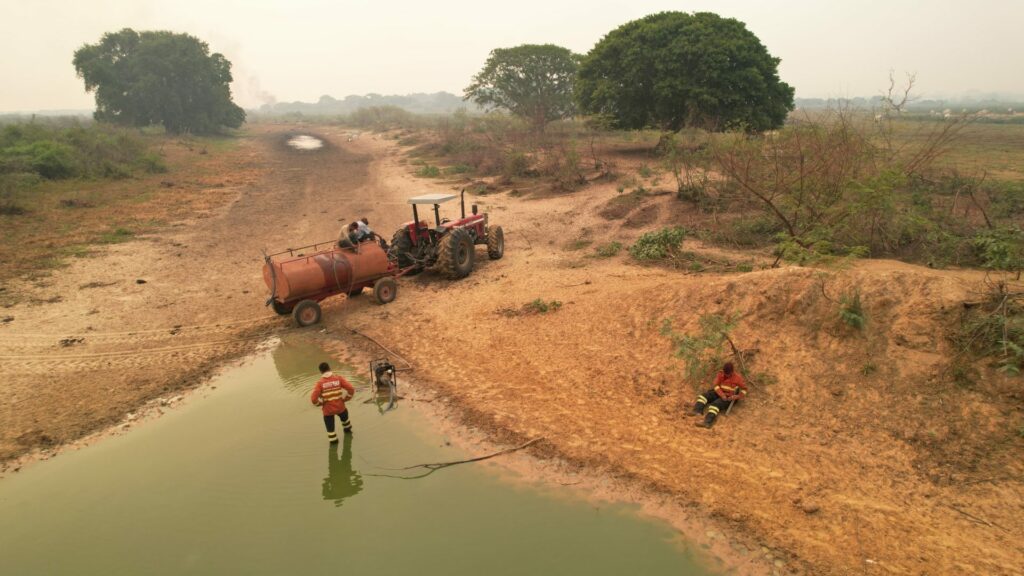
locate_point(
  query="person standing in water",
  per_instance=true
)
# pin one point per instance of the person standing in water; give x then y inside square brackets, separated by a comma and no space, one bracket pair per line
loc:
[330,393]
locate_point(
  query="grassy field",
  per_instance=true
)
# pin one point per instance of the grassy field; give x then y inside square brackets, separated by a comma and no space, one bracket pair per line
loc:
[993,149]
[48,223]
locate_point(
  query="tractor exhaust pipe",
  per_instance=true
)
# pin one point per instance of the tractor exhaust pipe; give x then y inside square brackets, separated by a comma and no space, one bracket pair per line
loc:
[462,200]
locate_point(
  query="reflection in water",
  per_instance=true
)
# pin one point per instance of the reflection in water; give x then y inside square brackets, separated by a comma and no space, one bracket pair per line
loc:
[342,481]
[304,142]
[296,362]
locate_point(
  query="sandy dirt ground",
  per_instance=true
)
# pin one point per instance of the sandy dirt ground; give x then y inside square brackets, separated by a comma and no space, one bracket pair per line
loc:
[855,457]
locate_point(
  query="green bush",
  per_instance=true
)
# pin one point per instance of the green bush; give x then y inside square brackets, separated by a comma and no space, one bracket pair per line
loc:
[608,250]
[658,245]
[1000,248]
[57,152]
[701,353]
[516,164]
[152,163]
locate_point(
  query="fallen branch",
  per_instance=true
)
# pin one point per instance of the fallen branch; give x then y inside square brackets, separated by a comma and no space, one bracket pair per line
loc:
[439,465]
[977,519]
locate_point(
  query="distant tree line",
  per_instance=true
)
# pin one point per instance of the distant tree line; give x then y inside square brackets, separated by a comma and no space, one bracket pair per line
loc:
[419,103]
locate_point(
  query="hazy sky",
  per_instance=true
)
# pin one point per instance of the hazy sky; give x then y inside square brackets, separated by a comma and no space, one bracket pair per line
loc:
[301,49]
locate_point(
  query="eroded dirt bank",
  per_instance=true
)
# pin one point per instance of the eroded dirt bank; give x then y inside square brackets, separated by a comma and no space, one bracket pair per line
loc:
[856,457]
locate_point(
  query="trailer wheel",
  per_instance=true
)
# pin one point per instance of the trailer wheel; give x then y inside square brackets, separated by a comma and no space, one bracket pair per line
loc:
[280,308]
[456,254]
[495,242]
[307,313]
[385,290]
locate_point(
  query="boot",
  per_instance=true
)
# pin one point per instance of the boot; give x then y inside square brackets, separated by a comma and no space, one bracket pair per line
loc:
[708,422]
[698,409]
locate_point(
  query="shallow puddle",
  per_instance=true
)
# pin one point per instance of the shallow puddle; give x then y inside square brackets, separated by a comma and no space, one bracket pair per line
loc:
[243,481]
[305,142]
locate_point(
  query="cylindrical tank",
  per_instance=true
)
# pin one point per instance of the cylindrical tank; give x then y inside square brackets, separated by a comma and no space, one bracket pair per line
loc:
[325,272]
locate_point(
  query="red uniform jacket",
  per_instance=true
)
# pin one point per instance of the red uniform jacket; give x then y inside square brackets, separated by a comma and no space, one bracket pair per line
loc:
[331,392]
[730,386]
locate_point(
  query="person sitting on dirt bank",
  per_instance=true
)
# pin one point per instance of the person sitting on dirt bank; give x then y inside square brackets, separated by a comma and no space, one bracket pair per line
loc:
[330,394]
[729,386]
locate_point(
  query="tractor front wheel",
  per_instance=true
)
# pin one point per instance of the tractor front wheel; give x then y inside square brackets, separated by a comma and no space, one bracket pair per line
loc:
[495,242]
[456,254]
[306,313]
[385,290]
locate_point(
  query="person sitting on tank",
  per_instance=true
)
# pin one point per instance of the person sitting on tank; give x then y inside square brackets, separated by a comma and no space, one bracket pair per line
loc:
[349,237]
[367,233]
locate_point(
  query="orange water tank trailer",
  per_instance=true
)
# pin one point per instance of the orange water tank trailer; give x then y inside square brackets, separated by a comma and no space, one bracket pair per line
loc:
[299,278]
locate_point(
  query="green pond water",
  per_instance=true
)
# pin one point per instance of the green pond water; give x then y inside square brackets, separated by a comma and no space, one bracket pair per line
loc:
[243,481]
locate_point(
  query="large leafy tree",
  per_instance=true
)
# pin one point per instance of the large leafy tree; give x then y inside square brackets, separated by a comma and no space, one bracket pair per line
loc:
[144,78]
[533,81]
[673,70]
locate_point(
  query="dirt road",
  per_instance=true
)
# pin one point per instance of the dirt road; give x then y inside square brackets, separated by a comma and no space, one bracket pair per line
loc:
[842,462]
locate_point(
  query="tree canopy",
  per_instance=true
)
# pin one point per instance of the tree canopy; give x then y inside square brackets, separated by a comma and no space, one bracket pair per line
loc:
[533,81]
[673,70]
[144,78]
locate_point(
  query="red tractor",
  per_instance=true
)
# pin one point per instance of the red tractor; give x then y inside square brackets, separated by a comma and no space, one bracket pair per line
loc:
[449,244]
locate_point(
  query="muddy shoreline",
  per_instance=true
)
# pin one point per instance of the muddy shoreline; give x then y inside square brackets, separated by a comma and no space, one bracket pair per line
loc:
[712,540]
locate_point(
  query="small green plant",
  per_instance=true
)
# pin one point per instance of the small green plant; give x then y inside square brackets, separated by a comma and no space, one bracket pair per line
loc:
[1012,358]
[868,369]
[744,267]
[851,310]
[658,245]
[608,250]
[701,353]
[645,171]
[539,306]
[116,236]
[428,171]
[458,169]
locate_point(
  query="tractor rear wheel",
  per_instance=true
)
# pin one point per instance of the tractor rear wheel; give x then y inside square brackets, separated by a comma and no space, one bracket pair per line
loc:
[401,248]
[306,313]
[456,255]
[495,242]
[385,290]
[280,308]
